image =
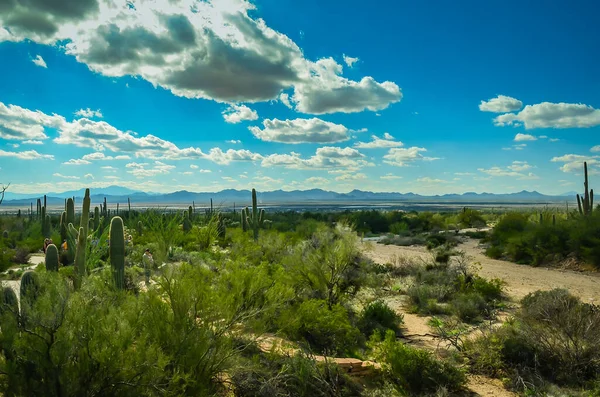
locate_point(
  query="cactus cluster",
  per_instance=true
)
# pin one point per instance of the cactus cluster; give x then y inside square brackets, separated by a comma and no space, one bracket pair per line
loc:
[586,203]
[253,220]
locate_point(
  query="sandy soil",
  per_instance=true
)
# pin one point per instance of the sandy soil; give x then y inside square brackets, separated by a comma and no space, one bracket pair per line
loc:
[520,280]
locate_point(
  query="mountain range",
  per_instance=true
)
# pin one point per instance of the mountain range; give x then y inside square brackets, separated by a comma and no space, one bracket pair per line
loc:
[119,194]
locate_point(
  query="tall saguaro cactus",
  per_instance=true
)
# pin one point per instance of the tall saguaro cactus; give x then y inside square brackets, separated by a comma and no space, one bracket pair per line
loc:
[85,213]
[117,251]
[586,203]
[70,211]
[51,259]
[256,218]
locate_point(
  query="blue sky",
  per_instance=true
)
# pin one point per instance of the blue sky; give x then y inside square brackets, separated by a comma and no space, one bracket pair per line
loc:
[390,96]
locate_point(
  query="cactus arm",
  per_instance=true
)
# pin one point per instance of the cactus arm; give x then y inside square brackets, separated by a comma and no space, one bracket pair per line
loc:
[85,213]
[579,205]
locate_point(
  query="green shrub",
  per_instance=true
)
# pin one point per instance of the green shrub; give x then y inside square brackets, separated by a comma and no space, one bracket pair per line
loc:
[326,331]
[413,370]
[379,317]
[469,307]
[494,252]
[424,298]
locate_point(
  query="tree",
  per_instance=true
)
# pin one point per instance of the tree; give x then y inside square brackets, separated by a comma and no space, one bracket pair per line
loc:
[2,191]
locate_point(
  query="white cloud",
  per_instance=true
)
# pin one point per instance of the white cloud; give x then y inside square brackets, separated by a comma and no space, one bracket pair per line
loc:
[89,176]
[204,171]
[552,115]
[390,177]
[56,174]
[464,173]
[76,162]
[109,168]
[402,157]
[574,163]
[501,104]
[220,157]
[194,166]
[228,179]
[316,180]
[351,177]
[324,90]
[235,114]
[432,181]
[26,155]
[300,131]
[32,142]
[17,123]
[285,99]
[89,113]
[595,149]
[101,156]
[350,61]
[196,49]
[142,170]
[325,158]
[234,141]
[39,61]
[515,170]
[378,143]
[524,137]
[187,173]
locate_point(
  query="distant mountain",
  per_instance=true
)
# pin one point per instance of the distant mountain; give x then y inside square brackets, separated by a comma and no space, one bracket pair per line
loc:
[118,194]
[570,194]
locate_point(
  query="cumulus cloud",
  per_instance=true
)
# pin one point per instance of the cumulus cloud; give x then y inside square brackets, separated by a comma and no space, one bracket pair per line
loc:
[500,104]
[524,137]
[235,114]
[208,49]
[76,162]
[17,123]
[56,174]
[143,170]
[402,157]
[378,143]
[390,176]
[32,142]
[26,155]
[574,163]
[325,158]
[39,61]
[89,113]
[89,176]
[350,61]
[220,157]
[595,149]
[552,115]
[515,170]
[300,131]
[194,166]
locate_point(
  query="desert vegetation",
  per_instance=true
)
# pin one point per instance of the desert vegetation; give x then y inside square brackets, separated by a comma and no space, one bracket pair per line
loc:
[244,304]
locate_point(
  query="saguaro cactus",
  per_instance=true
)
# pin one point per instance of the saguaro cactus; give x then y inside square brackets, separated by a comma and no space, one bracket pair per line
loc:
[244,220]
[96,218]
[51,259]
[63,226]
[85,213]
[256,218]
[70,211]
[80,257]
[187,224]
[140,228]
[586,203]
[117,251]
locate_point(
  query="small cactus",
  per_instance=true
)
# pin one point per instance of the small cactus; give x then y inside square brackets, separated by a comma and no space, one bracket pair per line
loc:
[96,218]
[256,218]
[586,203]
[70,211]
[140,228]
[51,259]
[80,258]
[85,213]
[187,224]
[117,251]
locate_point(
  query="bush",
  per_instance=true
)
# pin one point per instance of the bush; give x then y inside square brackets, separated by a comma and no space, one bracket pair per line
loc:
[326,331]
[379,317]
[469,307]
[413,370]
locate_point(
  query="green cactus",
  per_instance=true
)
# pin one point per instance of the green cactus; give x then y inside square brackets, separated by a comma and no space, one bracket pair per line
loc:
[51,259]
[70,211]
[117,251]
[117,209]
[9,301]
[191,213]
[244,220]
[80,258]
[29,292]
[96,218]
[105,210]
[256,218]
[63,226]
[72,238]
[221,229]
[38,209]
[85,214]
[128,206]
[586,203]
[19,213]
[187,224]
[140,228]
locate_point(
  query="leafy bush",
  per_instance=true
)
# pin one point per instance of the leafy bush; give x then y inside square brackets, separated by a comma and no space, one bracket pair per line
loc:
[413,370]
[379,317]
[327,331]
[403,241]
[468,306]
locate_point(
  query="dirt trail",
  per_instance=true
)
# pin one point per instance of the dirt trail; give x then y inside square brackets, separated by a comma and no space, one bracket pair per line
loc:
[520,279]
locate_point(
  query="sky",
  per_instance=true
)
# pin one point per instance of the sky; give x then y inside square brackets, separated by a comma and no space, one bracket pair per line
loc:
[205,95]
